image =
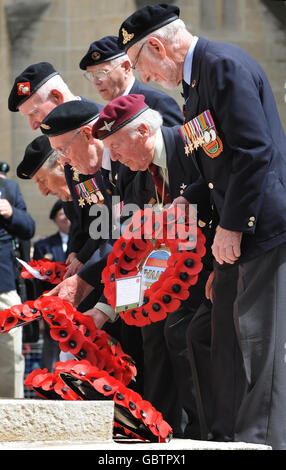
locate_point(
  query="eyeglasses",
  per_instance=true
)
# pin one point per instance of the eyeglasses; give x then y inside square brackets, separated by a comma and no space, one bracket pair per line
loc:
[100,76]
[133,66]
[62,153]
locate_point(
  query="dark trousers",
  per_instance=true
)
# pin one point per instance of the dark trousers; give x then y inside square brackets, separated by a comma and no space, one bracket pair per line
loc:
[260,312]
[216,356]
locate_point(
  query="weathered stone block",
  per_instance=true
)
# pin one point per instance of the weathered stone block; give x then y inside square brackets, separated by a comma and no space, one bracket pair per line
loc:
[52,420]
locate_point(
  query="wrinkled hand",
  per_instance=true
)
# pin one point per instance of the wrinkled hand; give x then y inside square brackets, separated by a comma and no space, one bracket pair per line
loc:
[209,287]
[98,316]
[73,290]
[73,268]
[226,245]
[71,257]
[6,210]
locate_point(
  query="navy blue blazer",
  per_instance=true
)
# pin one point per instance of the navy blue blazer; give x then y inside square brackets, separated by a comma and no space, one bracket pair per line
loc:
[20,224]
[248,179]
[161,102]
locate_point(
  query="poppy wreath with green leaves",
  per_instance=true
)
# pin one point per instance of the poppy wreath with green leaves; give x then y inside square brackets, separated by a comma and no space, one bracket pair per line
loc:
[143,235]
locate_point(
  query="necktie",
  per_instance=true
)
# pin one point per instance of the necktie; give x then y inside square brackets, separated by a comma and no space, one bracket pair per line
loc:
[107,183]
[158,182]
[185,89]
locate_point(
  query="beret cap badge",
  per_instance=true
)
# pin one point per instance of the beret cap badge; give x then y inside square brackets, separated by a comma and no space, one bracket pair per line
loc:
[45,126]
[95,56]
[23,88]
[126,36]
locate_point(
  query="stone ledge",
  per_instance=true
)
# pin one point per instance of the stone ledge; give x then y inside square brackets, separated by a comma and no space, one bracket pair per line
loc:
[174,445]
[55,421]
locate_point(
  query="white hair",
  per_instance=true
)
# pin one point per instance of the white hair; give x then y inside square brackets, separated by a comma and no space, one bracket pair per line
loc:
[173,33]
[51,164]
[120,60]
[56,82]
[150,118]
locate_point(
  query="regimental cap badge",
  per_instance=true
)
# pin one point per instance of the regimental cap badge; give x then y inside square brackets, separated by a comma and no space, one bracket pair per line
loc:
[95,55]
[107,126]
[23,88]
[126,36]
[45,126]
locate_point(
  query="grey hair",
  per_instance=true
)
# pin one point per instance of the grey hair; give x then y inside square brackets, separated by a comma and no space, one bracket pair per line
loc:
[56,82]
[120,60]
[173,32]
[150,118]
[51,163]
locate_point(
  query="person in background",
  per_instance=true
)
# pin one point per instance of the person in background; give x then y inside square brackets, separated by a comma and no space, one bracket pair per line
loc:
[53,248]
[15,221]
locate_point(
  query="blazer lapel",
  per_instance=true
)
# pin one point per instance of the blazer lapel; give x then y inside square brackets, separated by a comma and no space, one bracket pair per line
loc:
[192,102]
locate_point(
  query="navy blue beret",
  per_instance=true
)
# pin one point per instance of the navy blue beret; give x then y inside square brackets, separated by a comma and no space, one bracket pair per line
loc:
[69,116]
[36,153]
[4,167]
[100,51]
[56,208]
[28,82]
[145,20]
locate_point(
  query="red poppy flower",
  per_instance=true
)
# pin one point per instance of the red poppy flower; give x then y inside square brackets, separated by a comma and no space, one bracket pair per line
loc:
[62,333]
[170,303]
[36,376]
[7,320]
[64,391]
[189,263]
[73,344]
[106,386]
[176,288]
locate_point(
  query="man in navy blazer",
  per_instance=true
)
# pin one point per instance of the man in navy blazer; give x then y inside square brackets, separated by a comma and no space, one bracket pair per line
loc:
[134,135]
[15,221]
[238,144]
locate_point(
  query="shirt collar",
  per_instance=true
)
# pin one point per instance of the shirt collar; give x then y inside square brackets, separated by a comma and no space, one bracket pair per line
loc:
[187,68]
[160,157]
[130,85]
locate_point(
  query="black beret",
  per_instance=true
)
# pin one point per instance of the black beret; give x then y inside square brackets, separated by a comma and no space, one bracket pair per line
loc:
[36,153]
[4,167]
[28,82]
[69,116]
[56,208]
[144,21]
[100,51]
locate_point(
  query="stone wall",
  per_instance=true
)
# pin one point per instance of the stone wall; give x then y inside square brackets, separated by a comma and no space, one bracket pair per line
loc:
[60,31]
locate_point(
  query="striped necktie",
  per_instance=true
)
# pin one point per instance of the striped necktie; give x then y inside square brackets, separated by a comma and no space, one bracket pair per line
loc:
[158,182]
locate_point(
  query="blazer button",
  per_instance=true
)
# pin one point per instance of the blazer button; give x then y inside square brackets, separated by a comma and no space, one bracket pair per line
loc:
[211,186]
[250,224]
[252,219]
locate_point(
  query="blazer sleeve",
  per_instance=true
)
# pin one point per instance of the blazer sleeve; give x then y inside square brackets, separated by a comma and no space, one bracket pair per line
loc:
[20,224]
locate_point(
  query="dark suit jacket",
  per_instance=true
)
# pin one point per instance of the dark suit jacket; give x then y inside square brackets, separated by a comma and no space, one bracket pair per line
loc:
[249,176]
[19,225]
[51,246]
[161,102]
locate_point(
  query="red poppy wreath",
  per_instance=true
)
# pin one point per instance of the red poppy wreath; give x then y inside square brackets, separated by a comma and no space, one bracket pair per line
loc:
[54,271]
[146,233]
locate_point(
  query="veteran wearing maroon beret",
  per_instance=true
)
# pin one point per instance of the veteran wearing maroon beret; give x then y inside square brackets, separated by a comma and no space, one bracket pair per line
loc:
[247,181]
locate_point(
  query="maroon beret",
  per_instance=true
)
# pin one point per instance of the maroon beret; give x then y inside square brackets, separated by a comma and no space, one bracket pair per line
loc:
[117,114]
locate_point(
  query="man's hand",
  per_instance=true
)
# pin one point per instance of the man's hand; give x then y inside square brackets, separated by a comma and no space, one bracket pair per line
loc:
[71,257]
[98,316]
[73,290]
[226,245]
[209,287]
[73,268]
[6,210]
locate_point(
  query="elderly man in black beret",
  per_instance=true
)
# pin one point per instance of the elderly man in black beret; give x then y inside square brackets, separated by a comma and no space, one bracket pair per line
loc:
[244,166]
[109,68]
